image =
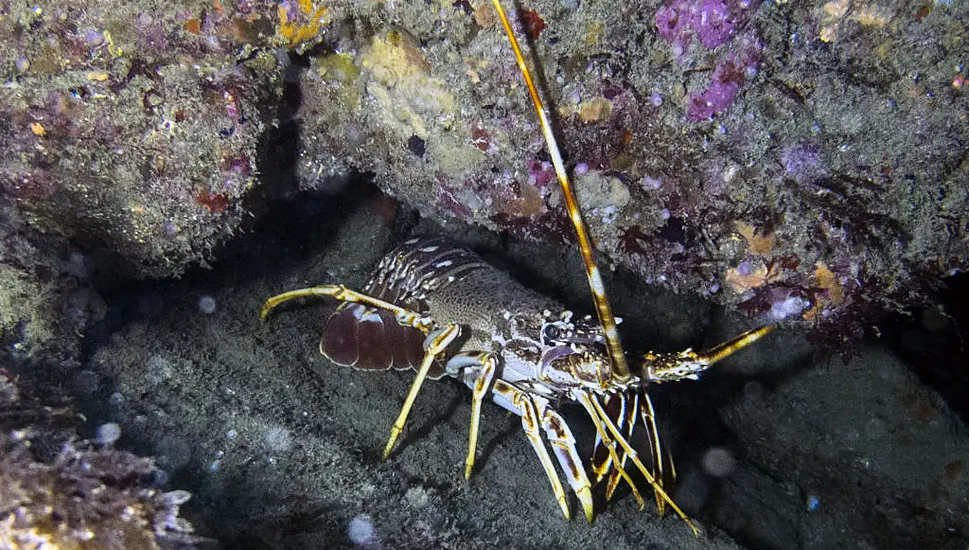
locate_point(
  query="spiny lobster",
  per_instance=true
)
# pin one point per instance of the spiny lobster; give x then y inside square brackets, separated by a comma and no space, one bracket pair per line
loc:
[440,309]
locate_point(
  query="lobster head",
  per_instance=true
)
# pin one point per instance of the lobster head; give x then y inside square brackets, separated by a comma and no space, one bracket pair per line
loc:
[574,351]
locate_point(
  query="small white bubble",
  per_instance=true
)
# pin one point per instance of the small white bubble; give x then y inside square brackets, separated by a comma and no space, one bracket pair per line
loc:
[361,530]
[718,461]
[791,305]
[753,390]
[277,439]
[108,433]
[649,182]
[157,369]
[207,305]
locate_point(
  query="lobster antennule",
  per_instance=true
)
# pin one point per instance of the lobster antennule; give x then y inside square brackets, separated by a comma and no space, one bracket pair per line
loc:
[603,309]
[726,349]
[687,365]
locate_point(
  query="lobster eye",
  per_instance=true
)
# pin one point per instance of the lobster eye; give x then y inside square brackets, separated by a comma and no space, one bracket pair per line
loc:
[552,332]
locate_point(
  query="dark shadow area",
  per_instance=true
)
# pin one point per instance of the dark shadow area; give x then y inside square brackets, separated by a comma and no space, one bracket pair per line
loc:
[933,342]
[294,231]
[419,429]
[513,426]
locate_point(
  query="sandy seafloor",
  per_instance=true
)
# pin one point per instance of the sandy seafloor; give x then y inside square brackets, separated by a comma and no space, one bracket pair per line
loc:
[281,448]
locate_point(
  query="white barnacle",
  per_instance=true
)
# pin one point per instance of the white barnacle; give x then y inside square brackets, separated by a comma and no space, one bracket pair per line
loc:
[429,249]
[445,263]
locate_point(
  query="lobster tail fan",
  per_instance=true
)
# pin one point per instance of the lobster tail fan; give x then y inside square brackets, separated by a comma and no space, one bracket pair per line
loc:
[338,342]
[374,342]
[365,338]
[357,336]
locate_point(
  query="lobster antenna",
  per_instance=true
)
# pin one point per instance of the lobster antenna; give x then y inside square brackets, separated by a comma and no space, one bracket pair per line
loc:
[604,311]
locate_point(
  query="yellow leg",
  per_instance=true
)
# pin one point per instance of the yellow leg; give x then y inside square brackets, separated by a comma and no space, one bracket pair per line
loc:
[605,467]
[481,387]
[438,344]
[648,415]
[405,317]
[563,443]
[584,399]
[530,423]
[601,419]
[629,419]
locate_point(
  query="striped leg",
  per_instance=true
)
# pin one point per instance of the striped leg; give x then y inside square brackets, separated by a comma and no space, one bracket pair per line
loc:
[529,415]
[624,412]
[537,412]
[563,444]
[480,387]
[404,316]
[612,438]
[437,342]
[648,415]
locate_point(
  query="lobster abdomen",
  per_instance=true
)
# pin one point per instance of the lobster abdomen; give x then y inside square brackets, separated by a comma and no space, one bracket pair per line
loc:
[366,338]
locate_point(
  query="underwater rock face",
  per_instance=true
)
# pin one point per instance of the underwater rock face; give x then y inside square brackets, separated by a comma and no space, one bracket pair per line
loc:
[764,160]
[774,448]
[799,160]
[59,491]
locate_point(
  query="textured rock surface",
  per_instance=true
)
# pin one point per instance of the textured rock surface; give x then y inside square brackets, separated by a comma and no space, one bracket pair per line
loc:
[803,160]
[59,491]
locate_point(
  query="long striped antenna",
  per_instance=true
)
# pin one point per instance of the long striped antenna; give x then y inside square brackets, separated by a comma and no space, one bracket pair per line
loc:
[606,319]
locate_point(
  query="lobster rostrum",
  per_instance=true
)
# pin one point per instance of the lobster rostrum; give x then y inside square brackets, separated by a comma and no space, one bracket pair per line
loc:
[441,310]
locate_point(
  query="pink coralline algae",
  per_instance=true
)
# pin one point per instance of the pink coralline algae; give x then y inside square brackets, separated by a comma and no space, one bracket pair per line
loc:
[541,173]
[713,23]
[728,77]
[710,20]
